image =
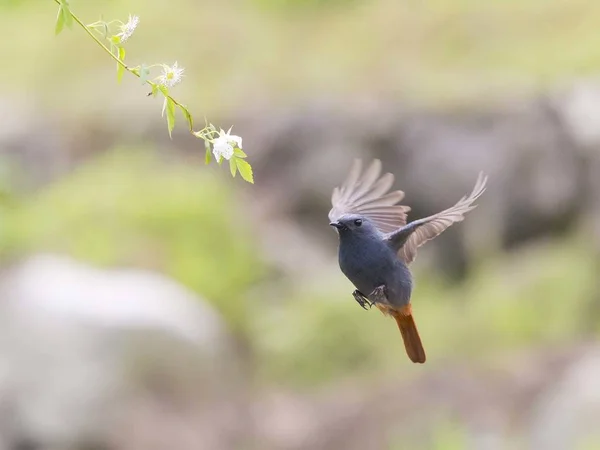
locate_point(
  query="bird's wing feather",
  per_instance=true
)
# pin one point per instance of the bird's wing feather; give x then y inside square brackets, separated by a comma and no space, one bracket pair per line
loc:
[430,227]
[368,195]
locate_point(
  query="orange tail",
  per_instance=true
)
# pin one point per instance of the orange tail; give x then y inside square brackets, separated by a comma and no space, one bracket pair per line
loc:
[410,335]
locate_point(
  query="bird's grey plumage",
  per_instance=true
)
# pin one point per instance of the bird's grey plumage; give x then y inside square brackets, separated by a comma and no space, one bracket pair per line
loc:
[368,196]
[410,237]
[369,260]
[377,245]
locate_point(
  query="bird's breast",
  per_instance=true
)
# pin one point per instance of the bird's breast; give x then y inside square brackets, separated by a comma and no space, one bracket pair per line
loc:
[366,264]
[369,265]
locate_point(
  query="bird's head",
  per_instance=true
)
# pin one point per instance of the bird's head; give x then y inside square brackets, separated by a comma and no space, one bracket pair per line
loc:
[354,224]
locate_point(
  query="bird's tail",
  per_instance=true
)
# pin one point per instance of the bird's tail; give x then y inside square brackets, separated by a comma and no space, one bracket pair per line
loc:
[410,335]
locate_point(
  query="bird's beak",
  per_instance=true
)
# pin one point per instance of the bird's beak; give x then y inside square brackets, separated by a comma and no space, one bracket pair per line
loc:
[338,225]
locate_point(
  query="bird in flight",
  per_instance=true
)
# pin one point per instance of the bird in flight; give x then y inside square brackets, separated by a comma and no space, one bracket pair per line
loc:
[377,245]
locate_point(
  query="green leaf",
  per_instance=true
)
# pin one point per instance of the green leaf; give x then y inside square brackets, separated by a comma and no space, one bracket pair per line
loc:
[68,18]
[245,170]
[60,21]
[170,115]
[239,153]
[232,167]
[154,90]
[120,72]
[208,155]
[163,89]
[115,40]
[144,73]
[188,117]
[120,68]
[67,13]
[64,17]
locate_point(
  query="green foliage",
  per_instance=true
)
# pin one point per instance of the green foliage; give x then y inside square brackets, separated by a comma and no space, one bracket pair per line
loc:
[63,16]
[188,117]
[121,67]
[130,208]
[207,153]
[232,167]
[238,163]
[170,114]
[243,166]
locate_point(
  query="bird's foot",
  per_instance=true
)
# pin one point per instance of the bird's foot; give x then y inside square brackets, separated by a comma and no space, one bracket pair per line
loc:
[379,294]
[361,299]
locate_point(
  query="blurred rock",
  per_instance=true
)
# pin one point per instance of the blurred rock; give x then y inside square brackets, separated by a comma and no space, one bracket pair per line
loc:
[566,416]
[32,149]
[578,106]
[93,358]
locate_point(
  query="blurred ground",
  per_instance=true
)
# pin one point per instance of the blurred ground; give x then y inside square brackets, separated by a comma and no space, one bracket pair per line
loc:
[148,301]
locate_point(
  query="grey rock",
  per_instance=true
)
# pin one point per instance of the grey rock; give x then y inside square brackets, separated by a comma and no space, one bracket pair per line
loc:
[32,148]
[567,413]
[86,351]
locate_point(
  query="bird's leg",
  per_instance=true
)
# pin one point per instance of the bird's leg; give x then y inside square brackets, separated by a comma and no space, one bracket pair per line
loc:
[361,299]
[379,295]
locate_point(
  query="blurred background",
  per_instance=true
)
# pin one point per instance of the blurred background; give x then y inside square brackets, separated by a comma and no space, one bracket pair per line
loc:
[148,301]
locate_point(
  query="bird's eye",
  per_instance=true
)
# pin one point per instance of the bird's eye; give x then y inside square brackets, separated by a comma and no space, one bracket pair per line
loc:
[358,222]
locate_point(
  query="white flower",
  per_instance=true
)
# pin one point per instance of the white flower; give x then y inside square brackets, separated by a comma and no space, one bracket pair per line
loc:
[128,28]
[236,141]
[222,149]
[171,75]
[223,146]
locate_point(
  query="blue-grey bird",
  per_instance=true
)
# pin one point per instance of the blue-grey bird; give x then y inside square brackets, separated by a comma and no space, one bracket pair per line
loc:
[376,245]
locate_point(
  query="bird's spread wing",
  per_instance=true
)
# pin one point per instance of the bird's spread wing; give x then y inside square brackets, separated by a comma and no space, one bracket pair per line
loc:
[368,195]
[423,230]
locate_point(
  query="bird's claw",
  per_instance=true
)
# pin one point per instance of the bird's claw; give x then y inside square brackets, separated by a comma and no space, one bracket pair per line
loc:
[380,292]
[361,299]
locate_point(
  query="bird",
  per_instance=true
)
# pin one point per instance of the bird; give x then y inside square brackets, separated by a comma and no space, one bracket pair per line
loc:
[377,245]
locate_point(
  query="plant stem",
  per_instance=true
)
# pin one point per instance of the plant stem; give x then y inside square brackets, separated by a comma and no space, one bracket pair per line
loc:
[112,55]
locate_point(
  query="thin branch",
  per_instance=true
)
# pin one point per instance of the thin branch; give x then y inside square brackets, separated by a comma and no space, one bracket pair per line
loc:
[112,55]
